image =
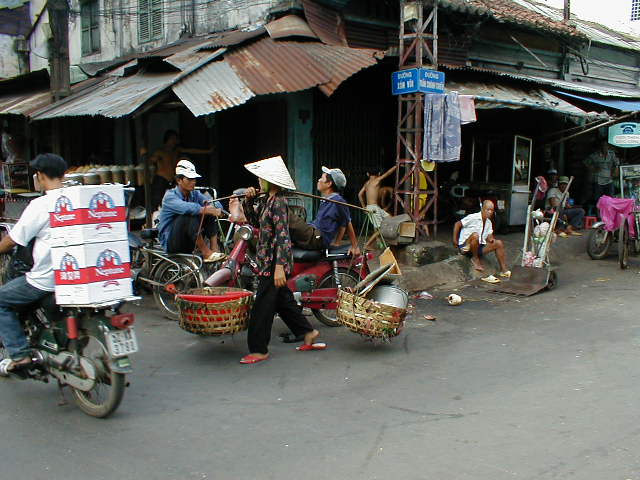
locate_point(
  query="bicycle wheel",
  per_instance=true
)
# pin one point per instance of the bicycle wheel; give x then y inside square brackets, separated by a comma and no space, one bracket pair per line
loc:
[181,274]
[623,245]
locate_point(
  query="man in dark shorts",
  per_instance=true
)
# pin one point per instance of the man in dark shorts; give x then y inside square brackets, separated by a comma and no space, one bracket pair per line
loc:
[473,235]
[180,217]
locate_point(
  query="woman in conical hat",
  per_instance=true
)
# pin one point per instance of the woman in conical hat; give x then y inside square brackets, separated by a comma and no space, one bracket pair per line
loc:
[275,261]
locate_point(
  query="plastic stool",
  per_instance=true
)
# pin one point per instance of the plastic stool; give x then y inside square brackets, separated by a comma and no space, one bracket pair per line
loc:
[589,221]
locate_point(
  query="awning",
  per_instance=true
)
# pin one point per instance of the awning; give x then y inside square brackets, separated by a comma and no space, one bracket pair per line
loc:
[114,97]
[622,105]
[492,95]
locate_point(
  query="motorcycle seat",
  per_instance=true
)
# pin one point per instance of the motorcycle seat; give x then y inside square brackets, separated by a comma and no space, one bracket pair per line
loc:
[149,233]
[334,253]
[303,256]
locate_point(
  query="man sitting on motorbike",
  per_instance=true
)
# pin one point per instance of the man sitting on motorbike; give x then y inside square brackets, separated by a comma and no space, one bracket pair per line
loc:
[332,219]
[180,217]
[39,281]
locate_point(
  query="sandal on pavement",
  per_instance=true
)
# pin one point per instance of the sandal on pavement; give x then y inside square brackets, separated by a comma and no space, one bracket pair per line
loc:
[313,346]
[490,279]
[506,274]
[577,234]
[215,257]
[251,359]
[563,235]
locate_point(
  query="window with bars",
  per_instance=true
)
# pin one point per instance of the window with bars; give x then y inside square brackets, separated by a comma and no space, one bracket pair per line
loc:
[635,10]
[149,20]
[90,26]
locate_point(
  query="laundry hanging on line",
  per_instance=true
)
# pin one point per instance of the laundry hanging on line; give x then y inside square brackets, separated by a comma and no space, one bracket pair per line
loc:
[442,120]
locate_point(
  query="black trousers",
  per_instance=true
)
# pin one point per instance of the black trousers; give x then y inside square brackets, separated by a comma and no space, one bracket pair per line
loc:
[304,235]
[184,231]
[269,301]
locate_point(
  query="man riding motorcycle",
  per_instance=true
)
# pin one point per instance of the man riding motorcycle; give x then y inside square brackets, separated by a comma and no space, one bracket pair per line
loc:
[39,281]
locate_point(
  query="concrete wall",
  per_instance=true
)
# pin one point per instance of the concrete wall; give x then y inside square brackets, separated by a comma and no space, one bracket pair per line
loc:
[119,25]
[8,57]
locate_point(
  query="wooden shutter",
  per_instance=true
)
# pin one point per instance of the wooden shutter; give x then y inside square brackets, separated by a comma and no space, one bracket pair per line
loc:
[156,18]
[144,33]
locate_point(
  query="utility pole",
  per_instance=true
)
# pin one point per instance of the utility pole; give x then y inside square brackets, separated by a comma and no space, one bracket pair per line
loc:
[59,48]
[418,49]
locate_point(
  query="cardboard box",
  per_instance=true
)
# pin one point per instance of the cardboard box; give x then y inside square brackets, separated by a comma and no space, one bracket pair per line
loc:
[91,233]
[87,204]
[92,273]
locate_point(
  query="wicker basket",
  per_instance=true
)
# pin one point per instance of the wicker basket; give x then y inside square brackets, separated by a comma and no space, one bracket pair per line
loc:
[369,318]
[214,311]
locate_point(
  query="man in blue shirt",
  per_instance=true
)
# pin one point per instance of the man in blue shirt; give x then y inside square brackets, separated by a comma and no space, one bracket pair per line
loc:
[332,219]
[182,208]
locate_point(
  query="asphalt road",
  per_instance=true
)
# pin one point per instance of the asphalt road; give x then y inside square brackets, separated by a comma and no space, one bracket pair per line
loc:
[500,387]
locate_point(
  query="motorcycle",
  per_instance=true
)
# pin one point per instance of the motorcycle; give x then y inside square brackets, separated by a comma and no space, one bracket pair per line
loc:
[84,347]
[316,276]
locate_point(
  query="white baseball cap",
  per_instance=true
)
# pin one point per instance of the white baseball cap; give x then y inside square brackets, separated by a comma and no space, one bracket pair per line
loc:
[187,169]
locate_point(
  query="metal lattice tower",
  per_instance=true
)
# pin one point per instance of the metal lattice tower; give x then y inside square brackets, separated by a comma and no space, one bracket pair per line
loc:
[418,48]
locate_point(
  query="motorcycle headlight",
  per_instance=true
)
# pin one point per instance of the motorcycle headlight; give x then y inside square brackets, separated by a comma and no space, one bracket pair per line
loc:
[245,233]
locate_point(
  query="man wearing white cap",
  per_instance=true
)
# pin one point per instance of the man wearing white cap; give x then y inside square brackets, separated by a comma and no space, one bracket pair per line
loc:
[182,208]
[332,219]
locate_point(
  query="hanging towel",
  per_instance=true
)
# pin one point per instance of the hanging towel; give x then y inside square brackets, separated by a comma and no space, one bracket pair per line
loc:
[467,109]
[442,137]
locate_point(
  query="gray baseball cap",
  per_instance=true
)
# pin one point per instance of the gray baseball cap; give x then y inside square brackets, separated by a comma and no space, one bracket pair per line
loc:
[337,176]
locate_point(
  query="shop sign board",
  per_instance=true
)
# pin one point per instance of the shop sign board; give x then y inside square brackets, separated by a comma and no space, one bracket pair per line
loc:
[625,135]
[415,80]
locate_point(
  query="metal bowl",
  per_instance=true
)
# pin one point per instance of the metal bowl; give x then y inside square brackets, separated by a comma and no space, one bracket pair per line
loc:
[391,295]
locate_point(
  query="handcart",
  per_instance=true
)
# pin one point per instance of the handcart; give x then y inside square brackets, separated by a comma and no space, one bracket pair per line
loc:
[535,272]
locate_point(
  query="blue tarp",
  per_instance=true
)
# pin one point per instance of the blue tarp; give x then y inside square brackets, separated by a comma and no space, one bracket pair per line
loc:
[623,105]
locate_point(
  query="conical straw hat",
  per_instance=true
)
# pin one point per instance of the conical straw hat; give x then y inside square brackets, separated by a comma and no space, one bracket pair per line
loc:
[273,170]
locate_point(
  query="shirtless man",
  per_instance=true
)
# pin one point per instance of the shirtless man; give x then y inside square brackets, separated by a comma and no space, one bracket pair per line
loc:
[165,160]
[370,192]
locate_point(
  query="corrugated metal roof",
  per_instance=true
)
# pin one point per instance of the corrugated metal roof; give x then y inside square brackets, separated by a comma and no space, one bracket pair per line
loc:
[21,103]
[290,26]
[212,88]
[327,23]
[561,84]
[190,56]
[340,62]
[115,97]
[513,97]
[231,38]
[268,66]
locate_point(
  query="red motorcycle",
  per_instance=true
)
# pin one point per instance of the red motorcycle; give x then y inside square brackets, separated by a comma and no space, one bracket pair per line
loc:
[315,279]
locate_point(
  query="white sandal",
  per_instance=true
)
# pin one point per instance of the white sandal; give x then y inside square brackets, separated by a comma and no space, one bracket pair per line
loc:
[6,365]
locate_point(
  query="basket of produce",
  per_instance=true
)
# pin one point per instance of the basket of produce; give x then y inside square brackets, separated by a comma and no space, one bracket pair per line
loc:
[214,311]
[381,315]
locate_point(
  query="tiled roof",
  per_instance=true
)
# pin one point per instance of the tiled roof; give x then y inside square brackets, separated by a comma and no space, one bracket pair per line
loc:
[509,11]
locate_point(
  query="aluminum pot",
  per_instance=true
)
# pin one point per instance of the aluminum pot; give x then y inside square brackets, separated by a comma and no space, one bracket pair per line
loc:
[130,175]
[74,177]
[118,174]
[91,178]
[391,295]
[105,174]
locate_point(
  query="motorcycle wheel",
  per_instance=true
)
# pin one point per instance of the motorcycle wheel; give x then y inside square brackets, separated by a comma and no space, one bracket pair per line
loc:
[348,278]
[164,272]
[623,246]
[106,395]
[598,243]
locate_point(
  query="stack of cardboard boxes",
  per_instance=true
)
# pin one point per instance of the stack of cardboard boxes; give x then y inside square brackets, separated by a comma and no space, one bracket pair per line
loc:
[90,251]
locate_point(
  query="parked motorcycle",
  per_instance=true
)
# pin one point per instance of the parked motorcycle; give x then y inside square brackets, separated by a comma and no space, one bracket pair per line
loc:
[315,279]
[599,241]
[84,347]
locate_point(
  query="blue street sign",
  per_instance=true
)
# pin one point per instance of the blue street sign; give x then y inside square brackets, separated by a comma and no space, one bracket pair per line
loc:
[404,81]
[417,80]
[431,81]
